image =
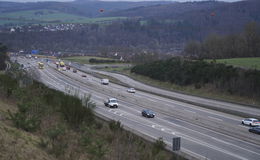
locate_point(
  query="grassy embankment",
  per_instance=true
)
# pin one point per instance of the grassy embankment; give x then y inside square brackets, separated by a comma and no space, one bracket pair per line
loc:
[250,63]
[45,16]
[206,91]
[53,125]
[87,60]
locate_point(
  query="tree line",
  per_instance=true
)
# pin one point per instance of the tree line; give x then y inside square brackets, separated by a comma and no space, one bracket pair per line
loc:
[199,73]
[245,44]
[131,36]
[3,56]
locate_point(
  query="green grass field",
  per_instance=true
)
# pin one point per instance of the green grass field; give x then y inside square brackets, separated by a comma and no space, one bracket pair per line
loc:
[251,63]
[49,16]
[85,59]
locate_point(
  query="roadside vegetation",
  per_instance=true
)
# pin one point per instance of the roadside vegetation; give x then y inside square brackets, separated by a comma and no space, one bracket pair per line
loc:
[248,63]
[41,123]
[92,60]
[200,74]
[206,90]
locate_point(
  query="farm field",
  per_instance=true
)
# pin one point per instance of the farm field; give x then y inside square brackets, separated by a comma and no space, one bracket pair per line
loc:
[49,16]
[250,63]
[85,59]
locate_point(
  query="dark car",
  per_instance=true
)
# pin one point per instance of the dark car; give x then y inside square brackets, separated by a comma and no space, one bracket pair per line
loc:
[254,130]
[148,113]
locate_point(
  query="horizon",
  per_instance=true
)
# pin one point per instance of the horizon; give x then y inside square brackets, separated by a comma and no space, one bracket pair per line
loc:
[24,1]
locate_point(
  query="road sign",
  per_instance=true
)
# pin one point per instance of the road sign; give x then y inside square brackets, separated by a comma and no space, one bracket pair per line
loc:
[176,143]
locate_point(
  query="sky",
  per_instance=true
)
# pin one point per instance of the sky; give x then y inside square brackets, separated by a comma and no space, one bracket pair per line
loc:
[114,0]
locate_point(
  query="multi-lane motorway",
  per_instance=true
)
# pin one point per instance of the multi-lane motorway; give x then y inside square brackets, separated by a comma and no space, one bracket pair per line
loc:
[205,133]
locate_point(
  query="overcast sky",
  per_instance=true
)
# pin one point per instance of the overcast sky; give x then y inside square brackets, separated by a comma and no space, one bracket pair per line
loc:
[115,0]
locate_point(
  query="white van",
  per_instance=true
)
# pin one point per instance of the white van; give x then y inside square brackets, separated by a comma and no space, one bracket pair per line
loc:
[105,81]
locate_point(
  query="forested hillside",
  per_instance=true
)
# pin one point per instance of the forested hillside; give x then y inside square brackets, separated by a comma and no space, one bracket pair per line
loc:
[245,44]
[201,18]
[82,8]
[146,27]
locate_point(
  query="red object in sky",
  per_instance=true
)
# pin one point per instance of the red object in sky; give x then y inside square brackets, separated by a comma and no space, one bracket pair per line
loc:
[213,14]
[101,10]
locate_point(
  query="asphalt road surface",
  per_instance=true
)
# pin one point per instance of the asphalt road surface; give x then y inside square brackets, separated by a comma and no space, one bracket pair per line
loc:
[205,133]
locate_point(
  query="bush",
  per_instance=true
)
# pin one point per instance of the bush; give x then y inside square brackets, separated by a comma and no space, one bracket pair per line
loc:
[115,125]
[24,122]
[94,60]
[158,146]
[7,85]
[74,112]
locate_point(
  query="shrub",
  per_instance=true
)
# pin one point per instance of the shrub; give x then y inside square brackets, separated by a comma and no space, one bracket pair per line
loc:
[158,146]
[74,112]
[115,125]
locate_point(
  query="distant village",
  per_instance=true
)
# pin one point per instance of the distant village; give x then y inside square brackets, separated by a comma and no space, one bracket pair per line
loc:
[42,28]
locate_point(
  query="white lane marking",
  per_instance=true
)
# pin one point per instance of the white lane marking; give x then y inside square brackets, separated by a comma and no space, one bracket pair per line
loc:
[162,129]
[215,118]
[168,143]
[199,142]
[169,105]
[189,110]
[193,153]
[152,100]
[212,137]
[99,96]
[187,106]
[213,147]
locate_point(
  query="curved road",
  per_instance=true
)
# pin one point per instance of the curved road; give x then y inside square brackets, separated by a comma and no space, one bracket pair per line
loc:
[205,134]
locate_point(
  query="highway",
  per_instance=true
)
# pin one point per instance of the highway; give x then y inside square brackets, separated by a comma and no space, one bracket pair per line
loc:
[205,133]
[214,104]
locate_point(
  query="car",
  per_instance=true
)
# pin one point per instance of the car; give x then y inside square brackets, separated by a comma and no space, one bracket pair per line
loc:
[83,75]
[111,103]
[251,122]
[131,90]
[74,71]
[105,81]
[148,113]
[254,130]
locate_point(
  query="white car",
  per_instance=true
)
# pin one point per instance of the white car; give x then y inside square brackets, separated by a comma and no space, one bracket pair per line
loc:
[111,103]
[105,81]
[131,90]
[251,122]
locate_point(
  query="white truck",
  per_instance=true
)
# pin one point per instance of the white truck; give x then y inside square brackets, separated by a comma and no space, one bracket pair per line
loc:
[111,103]
[105,81]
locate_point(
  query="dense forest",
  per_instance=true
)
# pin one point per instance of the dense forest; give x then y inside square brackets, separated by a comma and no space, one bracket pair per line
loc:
[119,36]
[200,73]
[245,44]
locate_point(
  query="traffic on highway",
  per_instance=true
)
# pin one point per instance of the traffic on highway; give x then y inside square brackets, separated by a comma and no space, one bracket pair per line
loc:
[205,133]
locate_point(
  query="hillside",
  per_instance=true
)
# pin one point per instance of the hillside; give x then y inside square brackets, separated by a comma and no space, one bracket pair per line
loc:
[163,28]
[204,17]
[82,8]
